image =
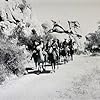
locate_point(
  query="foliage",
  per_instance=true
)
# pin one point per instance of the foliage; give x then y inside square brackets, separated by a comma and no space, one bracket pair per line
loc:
[10,59]
[93,42]
[47,37]
[16,31]
[47,26]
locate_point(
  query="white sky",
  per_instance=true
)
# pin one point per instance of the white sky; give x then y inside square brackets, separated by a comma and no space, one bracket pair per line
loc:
[87,12]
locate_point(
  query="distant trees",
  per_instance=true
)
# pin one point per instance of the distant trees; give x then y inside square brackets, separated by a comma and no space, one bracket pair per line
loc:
[92,43]
[48,25]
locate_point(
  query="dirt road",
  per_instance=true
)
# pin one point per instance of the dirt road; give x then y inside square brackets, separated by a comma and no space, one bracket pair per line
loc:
[48,86]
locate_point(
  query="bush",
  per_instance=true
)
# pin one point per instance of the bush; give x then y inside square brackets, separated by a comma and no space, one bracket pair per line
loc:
[10,59]
[92,43]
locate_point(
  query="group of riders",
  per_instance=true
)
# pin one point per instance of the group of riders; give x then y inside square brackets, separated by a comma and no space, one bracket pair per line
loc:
[52,52]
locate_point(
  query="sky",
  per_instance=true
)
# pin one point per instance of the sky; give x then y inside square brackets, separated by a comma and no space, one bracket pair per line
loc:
[86,12]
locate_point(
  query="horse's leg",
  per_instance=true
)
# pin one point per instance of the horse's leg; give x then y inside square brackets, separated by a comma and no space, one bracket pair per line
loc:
[57,62]
[64,59]
[57,65]
[38,66]
[59,58]
[43,66]
[54,66]
[35,61]
[66,56]
[71,56]
[38,70]
[45,59]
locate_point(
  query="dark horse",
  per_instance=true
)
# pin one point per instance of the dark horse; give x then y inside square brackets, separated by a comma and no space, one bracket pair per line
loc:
[71,50]
[64,52]
[52,57]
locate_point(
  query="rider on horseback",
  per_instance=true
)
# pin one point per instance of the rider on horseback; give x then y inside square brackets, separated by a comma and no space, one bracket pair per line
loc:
[38,55]
[65,43]
[70,44]
[54,46]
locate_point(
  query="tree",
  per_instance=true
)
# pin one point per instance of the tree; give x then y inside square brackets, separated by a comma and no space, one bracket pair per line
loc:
[93,41]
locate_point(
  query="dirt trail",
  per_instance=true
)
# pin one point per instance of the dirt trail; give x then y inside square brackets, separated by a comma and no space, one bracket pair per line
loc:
[47,86]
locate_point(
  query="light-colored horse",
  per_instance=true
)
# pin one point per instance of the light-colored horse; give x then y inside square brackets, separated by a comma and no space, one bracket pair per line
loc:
[38,58]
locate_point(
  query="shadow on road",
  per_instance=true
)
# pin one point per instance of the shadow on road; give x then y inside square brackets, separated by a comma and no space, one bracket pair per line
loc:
[39,72]
[34,71]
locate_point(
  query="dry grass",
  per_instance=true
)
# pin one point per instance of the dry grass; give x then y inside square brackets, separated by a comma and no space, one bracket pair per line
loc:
[86,87]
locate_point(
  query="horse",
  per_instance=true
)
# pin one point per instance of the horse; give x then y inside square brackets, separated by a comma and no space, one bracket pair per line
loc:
[71,49]
[38,58]
[63,52]
[52,57]
[71,52]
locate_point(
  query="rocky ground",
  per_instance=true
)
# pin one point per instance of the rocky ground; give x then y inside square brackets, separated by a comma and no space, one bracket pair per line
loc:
[76,80]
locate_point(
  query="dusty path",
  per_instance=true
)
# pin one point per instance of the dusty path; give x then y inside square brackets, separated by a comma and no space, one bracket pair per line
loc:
[47,86]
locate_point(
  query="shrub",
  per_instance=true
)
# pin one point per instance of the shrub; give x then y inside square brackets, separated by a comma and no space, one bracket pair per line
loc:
[10,59]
